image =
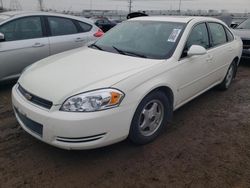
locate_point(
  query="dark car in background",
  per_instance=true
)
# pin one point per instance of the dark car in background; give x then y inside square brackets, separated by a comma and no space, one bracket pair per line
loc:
[243,31]
[103,23]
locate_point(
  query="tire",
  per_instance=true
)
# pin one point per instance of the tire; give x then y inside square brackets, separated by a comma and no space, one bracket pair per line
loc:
[225,84]
[150,117]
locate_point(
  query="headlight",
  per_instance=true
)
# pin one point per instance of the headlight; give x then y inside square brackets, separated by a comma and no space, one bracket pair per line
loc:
[93,101]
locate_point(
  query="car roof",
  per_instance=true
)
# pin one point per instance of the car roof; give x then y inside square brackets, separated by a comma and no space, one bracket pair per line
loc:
[180,19]
[17,14]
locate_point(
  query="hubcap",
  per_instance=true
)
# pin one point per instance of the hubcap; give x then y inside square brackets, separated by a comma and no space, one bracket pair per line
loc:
[229,76]
[151,117]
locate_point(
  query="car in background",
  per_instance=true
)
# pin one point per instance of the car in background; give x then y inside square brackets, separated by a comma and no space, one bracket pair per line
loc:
[117,21]
[127,84]
[26,37]
[104,23]
[243,31]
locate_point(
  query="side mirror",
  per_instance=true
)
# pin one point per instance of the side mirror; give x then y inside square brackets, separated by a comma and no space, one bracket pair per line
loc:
[234,26]
[2,38]
[196,50]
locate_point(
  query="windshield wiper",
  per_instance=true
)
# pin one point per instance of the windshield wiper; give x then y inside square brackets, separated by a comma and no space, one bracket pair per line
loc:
[123,52]
[96,46]
[118,50]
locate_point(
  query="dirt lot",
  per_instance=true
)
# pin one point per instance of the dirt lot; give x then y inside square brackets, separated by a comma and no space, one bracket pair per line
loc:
[206,145]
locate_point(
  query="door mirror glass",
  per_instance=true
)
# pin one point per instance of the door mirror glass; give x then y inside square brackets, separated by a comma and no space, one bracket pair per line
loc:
[196,50]
[2,38]
[233,25]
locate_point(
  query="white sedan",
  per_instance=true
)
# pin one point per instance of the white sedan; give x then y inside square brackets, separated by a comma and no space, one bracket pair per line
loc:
[127,84]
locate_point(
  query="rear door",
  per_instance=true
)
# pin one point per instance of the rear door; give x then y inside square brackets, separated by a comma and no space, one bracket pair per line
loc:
[65,34]
[25,43]
[221,50]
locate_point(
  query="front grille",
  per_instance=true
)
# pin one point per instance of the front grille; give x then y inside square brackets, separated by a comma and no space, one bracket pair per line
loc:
[34,99]
[33,126]
[81,139]
[246,44]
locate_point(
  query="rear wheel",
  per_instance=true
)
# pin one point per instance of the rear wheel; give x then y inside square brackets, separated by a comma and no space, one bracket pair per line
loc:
[229,77]
[149,118]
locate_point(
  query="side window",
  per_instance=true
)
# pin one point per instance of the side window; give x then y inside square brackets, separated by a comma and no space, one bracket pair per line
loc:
[230,36]
[21,29]
[198,36]
[85,27]
[218,34]
[61,26]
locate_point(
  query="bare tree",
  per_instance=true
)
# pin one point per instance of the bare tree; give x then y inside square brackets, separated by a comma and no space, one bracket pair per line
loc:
[15,5]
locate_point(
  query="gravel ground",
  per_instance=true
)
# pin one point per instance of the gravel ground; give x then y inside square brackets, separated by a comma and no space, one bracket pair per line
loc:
[206,145]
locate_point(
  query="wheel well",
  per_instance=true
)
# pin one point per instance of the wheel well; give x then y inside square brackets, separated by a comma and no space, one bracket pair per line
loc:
[169,93]
[236,61]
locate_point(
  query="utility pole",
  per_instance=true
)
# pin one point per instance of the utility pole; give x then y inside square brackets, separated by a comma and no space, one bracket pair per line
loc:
[180,6]
[40,5]
[129,6]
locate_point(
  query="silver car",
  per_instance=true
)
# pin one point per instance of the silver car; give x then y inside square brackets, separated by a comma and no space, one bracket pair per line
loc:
[26,37]
[243,31]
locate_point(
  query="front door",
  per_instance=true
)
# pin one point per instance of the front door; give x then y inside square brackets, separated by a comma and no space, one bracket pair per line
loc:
[24,44]
[192,77]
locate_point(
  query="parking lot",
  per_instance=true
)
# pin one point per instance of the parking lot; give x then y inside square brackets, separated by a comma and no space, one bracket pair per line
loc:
[206,145]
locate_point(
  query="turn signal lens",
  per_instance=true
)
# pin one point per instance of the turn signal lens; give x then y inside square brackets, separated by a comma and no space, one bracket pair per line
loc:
[115,98]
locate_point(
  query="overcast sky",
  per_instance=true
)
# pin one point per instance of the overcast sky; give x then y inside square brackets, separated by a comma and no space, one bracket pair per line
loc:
[78,5]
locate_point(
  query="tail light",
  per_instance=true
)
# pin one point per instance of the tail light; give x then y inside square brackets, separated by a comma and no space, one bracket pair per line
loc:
[99,33]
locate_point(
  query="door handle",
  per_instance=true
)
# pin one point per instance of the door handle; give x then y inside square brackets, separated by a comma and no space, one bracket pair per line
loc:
[230,49]
[38,45]
[79,40]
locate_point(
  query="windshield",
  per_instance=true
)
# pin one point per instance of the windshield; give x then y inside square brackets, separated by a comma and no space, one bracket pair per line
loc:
[244,25]
[147,39]
[3,17]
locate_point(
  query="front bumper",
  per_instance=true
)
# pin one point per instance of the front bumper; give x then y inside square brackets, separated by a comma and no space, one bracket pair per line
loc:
[69,130]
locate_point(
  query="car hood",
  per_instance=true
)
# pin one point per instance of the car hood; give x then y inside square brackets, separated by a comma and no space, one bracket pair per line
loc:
[61,76]
[242,33]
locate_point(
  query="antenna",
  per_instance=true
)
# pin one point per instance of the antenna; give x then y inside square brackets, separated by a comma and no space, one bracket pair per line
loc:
[129,6]
[15,5]
[40,5]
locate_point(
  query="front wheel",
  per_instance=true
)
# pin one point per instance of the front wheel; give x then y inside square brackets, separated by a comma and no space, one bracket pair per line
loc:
[229,77]
[150,117]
